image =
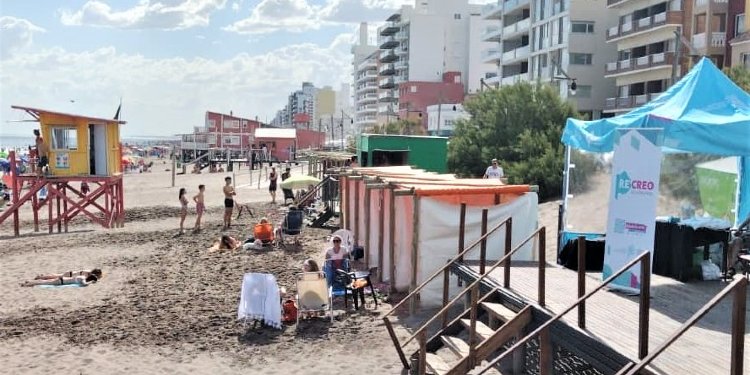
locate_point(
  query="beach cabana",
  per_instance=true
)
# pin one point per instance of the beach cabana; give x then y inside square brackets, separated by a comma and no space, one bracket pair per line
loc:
[705,112]
[430,153]
[408,220]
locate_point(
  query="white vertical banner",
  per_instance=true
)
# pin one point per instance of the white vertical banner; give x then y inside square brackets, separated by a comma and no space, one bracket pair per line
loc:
[632,204]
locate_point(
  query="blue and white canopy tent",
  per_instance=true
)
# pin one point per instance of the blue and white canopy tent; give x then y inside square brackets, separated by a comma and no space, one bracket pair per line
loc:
[705,112]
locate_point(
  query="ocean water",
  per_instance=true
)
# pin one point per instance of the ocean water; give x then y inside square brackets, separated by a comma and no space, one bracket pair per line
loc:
[19,141]
[16,141]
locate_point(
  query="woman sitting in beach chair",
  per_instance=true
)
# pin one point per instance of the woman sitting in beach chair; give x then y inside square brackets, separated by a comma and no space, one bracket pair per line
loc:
[226,242]
[292,225]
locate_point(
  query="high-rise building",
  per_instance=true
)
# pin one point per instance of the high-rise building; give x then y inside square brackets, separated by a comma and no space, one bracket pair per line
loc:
[738,48]
[364,83]
[560,42]
[325,104]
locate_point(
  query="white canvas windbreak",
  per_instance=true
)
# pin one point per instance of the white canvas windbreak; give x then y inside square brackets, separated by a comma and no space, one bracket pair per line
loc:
[372,247]
[360,234]
[403,246]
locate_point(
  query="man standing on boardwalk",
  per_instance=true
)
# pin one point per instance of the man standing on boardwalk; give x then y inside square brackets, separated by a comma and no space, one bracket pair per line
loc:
[229,194]
[494,171]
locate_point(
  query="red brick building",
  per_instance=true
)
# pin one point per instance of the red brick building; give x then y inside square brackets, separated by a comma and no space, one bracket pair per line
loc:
[416,96]
[229,131]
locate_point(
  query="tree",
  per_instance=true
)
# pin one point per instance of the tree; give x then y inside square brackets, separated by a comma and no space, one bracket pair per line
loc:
[402,127]
[521,125]
[740,76]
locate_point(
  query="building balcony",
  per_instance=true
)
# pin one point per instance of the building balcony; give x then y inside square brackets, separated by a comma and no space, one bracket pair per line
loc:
[493,11]
[638,64]
[399,79]
[370,74]
[387,56]
[387,83]
[672,17]
[401,50]
[716,40]
[492,55]
[370,86]
[366,120]
[517,28]
[512,5]
[367,98]
[370,108]
[388,42]
[387,70]
[388,96]
[402,35]
[401,64]
[367,64]
[614,3]
[492,34]
[386,109]
[717,6]
[629,102]
[389,28]
[511,80]
[516,55]
[194,145]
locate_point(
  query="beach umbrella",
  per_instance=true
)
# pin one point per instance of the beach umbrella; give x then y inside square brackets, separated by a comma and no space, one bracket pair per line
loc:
[299,182]
[3,154]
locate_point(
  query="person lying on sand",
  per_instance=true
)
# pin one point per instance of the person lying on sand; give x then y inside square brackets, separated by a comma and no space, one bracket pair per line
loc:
[226,242]
[96,272]
[80,280]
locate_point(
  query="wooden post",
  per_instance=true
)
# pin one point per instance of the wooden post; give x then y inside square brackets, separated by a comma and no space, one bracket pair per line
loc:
[65,207]
[473,325]
[461,236]
[414,254]
[344,202]
[497,199]
[446,281]
[644,306]
[542,263]
[16,187]
[381,231]
[483,244]
[508,248]
[581,281]
[57,199]
[35,208]
[174,164]
[546,355]
[48,202]
[367,227]
[399,350]
[422,353]
[356,211]
[392,242]
[739,305]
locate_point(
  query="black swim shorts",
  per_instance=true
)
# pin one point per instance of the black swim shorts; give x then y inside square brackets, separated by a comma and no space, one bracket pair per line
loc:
[228,202]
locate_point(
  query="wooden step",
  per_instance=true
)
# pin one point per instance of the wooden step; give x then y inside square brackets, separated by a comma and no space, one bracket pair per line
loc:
[436,365]
[456,345]
[482,330]
[499,311]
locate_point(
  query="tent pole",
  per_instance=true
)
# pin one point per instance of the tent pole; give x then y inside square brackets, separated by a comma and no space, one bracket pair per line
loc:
[367,227]
[392,240]
[414,253]
[381,230]
[565,194]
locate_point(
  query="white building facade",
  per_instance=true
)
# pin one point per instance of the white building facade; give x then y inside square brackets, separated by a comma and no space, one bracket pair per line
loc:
[442,118]
[364,81]
[553,41]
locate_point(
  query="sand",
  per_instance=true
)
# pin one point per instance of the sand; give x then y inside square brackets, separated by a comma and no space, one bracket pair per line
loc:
[165,304]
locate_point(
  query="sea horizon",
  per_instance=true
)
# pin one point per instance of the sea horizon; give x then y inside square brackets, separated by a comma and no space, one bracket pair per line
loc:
[23,141]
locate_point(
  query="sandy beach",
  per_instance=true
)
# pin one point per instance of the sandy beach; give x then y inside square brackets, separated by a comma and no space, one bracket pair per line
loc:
[167,305]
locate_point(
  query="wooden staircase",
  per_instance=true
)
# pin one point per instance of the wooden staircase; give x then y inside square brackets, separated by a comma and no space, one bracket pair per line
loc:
[502,325]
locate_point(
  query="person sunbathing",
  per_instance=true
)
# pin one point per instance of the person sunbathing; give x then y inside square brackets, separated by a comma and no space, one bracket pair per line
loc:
[226,242]
[62,280]
[96,272]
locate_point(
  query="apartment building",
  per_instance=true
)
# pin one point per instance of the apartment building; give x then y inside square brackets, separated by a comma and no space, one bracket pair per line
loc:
[365,80]
[421,43]
[738,47]
[552,41]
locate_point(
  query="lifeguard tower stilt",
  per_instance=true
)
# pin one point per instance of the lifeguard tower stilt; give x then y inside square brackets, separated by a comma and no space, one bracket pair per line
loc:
[82,150]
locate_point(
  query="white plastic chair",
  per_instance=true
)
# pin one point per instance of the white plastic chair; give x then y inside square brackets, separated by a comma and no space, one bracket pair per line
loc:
[313,294]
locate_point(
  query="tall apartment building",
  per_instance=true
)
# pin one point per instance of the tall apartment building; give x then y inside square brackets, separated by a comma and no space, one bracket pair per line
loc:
[545,40]
[421,43]
[299,102]
[738,46]
[325,103]
[364,83]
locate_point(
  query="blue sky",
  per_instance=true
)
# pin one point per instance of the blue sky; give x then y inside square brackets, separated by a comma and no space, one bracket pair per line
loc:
[171,60]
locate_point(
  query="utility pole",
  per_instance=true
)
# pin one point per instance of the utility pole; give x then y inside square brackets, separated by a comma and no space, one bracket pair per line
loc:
[332,134]
[342,129]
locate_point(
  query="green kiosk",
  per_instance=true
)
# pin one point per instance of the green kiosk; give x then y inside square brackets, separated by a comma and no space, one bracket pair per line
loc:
[425,152]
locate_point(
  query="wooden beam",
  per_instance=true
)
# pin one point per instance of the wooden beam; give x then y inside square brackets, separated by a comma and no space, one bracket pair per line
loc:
[381,231]
[356,212]
[403,192]
[367,228]
[414,253]
[392,241]
[376,186]
[483,244]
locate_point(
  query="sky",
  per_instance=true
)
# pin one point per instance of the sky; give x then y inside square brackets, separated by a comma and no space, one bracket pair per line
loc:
[169,61]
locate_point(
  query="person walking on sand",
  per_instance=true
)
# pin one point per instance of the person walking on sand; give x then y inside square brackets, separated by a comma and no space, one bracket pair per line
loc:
[183,209]
[272,184]
[200,207]
[494,171]
[228,202]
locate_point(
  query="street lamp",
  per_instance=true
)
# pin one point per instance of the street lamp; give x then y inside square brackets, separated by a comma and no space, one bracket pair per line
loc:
[341,124]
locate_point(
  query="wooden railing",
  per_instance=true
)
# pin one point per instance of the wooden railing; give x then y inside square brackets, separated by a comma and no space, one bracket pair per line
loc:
[739,290]
[545,342]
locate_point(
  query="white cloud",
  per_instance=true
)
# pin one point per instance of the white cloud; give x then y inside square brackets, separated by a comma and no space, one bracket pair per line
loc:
[170,95]
[16,34]
[299,15]
[147,14]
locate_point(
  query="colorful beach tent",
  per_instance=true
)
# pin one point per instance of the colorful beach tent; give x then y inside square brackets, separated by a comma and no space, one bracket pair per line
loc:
[421,211]
[705,112]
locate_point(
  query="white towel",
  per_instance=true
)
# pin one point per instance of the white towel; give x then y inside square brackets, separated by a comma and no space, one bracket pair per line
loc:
[260,300]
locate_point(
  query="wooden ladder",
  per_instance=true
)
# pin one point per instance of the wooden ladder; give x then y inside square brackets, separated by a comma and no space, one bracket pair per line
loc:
[503,325]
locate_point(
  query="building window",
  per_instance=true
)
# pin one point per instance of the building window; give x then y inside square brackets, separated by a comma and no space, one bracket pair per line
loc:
[456,16]
[739,24]
[581,58]
[583,91]
[64,139]
[212,123]
[413,88]
[582,27]
[745,58]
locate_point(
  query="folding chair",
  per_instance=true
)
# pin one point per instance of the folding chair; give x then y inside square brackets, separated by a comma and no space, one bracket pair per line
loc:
[264,233]
[313,294]
[291,226]
[337,281]
[288,194]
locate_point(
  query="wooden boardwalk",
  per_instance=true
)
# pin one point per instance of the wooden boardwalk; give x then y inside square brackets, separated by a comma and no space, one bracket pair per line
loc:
[612,317]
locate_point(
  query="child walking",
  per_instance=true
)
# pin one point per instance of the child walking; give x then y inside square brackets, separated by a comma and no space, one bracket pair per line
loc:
[183,210]
[200,207]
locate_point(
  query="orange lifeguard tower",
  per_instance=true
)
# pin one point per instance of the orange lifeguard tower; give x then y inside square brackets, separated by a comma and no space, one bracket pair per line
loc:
[82,149]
